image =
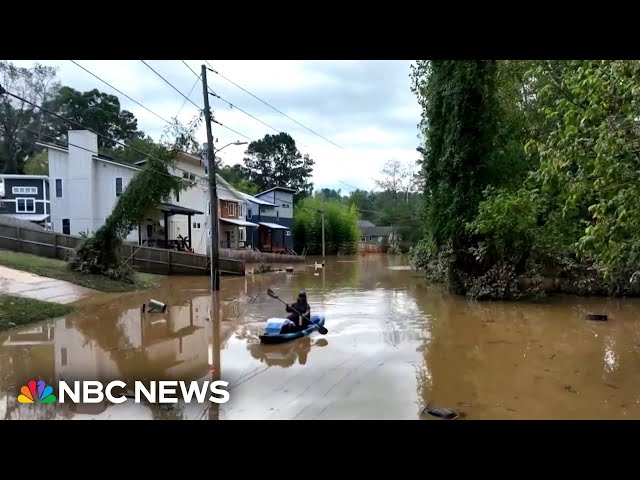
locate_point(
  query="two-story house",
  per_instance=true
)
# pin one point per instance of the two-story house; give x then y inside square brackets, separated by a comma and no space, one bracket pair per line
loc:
[232,213]
[25,197]
[272,211]
[86,186]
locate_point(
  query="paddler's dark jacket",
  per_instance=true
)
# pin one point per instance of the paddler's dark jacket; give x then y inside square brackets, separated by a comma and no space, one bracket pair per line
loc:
[300,306]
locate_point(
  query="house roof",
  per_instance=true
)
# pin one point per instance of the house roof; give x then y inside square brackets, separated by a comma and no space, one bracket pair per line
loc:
[242,223]
[28,217]
[177,210]
[253,199]
[377,231]
[365,224]
[11,221]
[27,177]
[102,157]
[274,226]
[284,189]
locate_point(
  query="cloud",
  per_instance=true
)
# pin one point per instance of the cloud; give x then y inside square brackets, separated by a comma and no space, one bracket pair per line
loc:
[366,107]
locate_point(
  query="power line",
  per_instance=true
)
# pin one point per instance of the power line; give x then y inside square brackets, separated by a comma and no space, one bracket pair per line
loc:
[170,84]
[231,105]
[213,120]
[72,122]
[69,144]
[188,95]
[119,91]
[149,110]
[271,106]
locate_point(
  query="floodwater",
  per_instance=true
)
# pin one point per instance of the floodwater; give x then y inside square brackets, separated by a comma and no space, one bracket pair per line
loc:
[394,344]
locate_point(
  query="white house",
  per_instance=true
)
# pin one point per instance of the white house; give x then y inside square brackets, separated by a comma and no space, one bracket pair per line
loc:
[85,187]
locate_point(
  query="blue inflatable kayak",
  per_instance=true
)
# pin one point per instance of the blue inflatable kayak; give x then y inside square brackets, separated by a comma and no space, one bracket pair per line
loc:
[274,325]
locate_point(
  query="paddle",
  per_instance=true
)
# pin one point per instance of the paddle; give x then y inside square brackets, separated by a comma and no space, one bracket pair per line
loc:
[321,329]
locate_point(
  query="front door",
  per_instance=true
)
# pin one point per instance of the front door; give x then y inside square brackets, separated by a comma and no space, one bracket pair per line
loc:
[265,239]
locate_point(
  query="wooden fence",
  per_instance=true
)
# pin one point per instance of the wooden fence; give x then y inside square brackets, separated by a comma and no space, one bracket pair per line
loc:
[252,256]
[144,259]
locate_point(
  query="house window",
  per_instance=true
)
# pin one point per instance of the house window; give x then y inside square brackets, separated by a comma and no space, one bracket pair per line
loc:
[288,233]
[208,208]
[63,357]
[118,186]
[263,210]
[149,231]
[66,226]
[177,197]
[285,205]
[249,213]
[58,188]
[24,190]
[363,239]
[277,214]
[242,234]
[231,209]
[25,205]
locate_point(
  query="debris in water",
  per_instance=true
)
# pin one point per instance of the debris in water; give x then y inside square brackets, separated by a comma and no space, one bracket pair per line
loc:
[552,356]
[289,269]
[462,404]
[597,317]
[569,389]
[612,386]
[440,412]
[155,306]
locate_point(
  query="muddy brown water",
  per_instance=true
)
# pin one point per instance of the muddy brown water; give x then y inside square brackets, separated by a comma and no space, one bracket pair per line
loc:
[394,344]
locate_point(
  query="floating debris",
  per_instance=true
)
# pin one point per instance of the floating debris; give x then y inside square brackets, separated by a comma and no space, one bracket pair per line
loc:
[440,412]
[599,317]
[154,306]
[289,269]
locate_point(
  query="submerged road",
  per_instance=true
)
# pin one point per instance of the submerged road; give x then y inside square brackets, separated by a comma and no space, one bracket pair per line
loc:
[394,344]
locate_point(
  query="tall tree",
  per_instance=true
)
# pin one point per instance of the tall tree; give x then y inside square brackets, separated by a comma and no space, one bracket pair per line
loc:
[96,110]
[276,161]
[21,122]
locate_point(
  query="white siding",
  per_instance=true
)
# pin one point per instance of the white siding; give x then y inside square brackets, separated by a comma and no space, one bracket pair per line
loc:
[105,199]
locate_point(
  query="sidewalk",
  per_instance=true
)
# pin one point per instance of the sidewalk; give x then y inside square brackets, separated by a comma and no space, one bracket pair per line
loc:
[23,284]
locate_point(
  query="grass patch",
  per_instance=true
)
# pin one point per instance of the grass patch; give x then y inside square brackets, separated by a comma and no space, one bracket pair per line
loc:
[15,311]
[59,269]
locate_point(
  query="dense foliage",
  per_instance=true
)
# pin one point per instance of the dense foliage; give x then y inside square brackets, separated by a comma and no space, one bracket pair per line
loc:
[276,161]
[341,226]
[549,191]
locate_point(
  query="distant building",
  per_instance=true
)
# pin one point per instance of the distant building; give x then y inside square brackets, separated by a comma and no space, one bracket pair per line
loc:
[25,197]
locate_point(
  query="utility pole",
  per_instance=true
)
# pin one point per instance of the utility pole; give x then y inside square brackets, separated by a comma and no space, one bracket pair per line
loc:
[323,230]
[213,193]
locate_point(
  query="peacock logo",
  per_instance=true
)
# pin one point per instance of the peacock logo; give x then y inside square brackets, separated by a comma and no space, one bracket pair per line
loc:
[44,393]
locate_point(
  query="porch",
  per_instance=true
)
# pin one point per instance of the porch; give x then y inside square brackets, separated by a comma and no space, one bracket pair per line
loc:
[155,230]
[233,233]
[271,237]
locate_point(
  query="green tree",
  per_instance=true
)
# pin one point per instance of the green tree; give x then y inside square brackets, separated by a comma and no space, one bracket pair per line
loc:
[341,226]
[459,117]
[96,110]
[276,161]
[37,164]
[21,122]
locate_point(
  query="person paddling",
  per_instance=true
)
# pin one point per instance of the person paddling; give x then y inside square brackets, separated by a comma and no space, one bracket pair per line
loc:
[300,307]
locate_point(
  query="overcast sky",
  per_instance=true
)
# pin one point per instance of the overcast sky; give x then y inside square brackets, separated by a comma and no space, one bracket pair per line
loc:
[366,107]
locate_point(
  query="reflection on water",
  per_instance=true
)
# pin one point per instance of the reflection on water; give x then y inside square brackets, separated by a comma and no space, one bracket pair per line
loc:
[394,344]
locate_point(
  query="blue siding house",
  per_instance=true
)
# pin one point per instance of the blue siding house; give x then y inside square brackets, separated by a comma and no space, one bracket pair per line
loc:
[272,211]
[26,197]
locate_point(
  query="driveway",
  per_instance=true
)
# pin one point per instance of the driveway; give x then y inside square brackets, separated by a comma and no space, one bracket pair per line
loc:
[23,284]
